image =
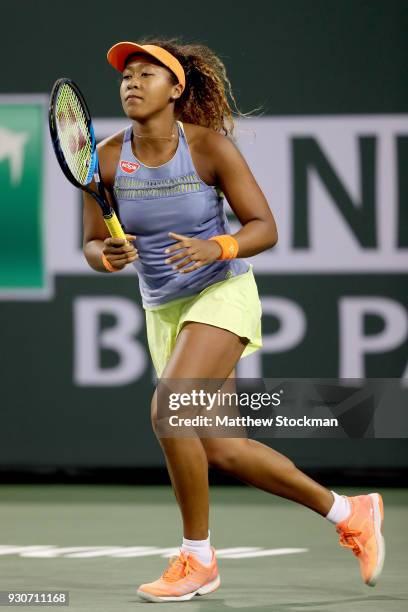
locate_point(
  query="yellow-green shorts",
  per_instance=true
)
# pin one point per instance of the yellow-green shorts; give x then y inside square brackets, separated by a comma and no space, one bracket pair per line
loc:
[232,304]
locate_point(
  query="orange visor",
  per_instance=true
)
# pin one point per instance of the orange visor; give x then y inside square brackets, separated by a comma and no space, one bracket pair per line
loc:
[118,54]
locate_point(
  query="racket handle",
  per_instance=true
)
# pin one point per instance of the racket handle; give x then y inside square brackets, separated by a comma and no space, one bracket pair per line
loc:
[114,227]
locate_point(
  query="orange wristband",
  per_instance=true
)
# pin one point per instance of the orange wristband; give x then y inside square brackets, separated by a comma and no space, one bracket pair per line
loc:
[228,244]
[108,265]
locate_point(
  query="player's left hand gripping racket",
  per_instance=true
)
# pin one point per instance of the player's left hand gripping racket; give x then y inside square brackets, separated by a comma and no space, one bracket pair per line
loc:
[74,142]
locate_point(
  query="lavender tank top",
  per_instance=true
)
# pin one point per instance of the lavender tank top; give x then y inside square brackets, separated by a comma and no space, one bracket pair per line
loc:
[156,200]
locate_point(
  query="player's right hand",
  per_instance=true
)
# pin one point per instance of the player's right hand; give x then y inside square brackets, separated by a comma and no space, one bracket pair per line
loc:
[120,252]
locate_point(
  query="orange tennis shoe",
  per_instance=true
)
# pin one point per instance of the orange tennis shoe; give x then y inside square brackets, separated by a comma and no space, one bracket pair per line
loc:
[361,532]
[184,578]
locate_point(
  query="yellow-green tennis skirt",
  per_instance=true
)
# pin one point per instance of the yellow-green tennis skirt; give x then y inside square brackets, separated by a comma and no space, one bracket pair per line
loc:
[232,304]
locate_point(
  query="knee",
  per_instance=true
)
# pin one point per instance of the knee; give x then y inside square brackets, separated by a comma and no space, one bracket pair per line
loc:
[224,454]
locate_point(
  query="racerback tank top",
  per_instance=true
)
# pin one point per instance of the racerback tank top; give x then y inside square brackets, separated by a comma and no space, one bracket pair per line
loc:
[172,197]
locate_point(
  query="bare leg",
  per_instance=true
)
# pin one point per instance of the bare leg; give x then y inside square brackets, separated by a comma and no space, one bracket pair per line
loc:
[264,468]
[215,352]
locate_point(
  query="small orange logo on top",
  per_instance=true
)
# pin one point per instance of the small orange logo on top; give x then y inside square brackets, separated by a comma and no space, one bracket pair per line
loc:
[129,167]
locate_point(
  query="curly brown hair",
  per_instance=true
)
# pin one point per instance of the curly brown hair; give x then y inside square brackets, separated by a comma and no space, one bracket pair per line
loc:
[204,100]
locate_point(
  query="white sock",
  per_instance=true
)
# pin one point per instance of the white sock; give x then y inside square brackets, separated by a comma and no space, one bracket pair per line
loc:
[199,548]
[339,510]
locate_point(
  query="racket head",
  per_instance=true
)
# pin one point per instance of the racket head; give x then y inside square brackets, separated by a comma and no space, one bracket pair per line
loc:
[72,133]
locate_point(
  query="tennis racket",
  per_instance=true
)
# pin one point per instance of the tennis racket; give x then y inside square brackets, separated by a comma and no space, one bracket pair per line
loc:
[74,143]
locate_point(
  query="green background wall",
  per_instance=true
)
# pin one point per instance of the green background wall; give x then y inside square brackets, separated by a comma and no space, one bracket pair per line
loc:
[292,57]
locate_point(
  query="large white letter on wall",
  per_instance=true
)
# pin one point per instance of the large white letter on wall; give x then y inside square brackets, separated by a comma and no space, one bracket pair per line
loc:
[90,340]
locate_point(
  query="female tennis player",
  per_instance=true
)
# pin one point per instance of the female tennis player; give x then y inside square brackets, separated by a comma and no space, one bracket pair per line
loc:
[166,175]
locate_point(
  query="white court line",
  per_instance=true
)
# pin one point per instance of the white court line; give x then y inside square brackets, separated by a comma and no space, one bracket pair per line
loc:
[121,552]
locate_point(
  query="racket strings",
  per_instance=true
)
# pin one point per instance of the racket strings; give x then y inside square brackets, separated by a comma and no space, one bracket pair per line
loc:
[75,139]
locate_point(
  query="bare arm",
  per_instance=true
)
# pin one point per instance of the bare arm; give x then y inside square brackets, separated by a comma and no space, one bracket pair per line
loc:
[97,239]
[95,232]
[244,195]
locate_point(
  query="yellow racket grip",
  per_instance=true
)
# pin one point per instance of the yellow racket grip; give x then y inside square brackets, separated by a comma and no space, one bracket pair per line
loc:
[114,227]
